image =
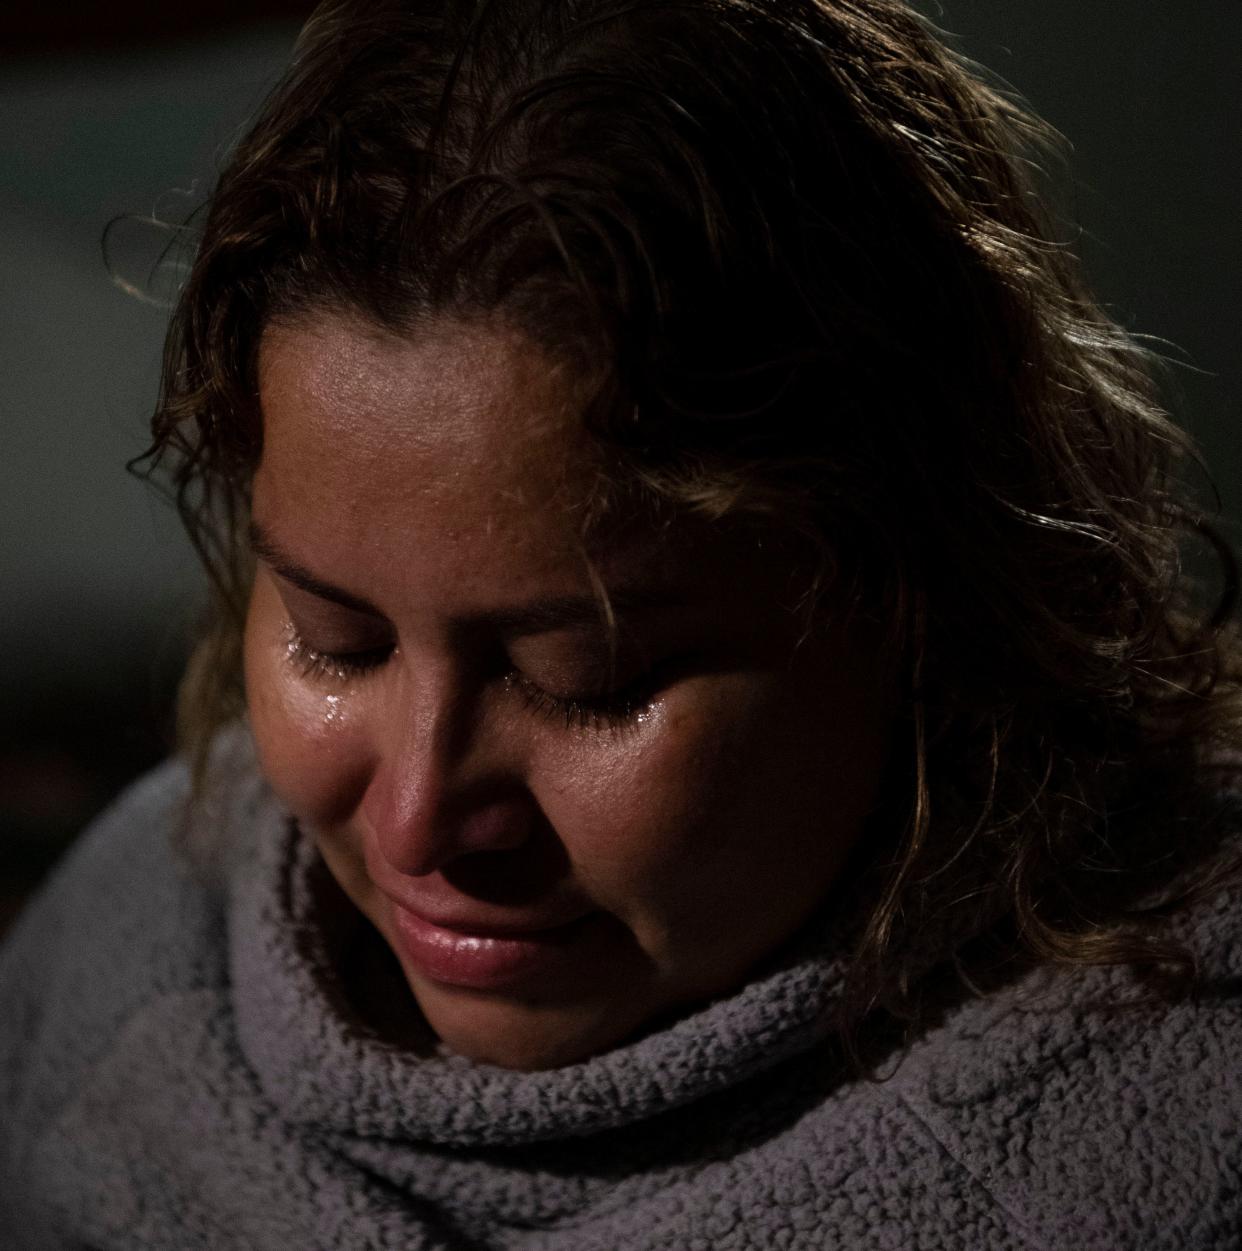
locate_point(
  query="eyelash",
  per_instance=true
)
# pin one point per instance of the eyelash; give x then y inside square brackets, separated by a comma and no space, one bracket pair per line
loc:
[596,712]
[331,666]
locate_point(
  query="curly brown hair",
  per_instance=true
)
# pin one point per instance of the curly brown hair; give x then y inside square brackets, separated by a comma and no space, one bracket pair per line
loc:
[804,241]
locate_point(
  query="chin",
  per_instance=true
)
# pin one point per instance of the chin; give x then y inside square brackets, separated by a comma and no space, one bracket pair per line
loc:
[527,1037]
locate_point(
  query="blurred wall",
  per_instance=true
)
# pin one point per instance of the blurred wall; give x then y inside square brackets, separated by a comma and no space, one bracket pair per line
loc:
[98,584]
[1150,96]
[89,557]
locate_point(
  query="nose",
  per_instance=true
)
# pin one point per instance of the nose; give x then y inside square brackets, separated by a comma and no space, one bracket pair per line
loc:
[447,781]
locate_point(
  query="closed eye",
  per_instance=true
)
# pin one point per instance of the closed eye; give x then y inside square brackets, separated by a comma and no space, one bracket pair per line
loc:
[614,709]
[333,665]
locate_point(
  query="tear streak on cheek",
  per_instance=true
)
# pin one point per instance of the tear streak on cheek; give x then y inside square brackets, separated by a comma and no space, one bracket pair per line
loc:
[314,714]
[313,750]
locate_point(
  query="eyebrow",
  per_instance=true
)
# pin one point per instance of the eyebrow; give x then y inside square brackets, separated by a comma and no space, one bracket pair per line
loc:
[557,612]
[279,562]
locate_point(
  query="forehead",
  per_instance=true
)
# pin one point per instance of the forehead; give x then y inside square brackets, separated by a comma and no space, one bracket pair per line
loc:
[458,410]
[450,469]
[447,476]
[459,460]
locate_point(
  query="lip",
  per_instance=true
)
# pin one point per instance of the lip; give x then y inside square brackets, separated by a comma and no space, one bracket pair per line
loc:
[481,954]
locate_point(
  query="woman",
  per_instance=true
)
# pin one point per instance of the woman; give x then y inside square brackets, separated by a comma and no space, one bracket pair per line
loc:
[698,631]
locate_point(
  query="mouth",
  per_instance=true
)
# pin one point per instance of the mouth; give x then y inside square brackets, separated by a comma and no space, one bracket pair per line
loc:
[478,955]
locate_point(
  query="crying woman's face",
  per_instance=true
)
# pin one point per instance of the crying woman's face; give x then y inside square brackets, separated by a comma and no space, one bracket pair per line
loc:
[562,826]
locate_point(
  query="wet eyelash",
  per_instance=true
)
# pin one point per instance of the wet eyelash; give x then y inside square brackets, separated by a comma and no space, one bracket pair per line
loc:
[597,712]
[609,711]
[335,666]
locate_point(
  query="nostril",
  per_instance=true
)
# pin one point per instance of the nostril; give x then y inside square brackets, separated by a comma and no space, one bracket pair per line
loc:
[501,825]
[516,878]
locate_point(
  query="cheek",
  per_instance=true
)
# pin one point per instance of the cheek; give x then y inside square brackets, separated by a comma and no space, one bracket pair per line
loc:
[309,737]
[731,801]
[645,815]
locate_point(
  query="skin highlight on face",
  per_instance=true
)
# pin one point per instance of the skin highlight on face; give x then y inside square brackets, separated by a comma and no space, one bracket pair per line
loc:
[561,834]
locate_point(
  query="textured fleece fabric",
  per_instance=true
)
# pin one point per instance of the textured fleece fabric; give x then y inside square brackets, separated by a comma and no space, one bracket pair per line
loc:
[178,1070]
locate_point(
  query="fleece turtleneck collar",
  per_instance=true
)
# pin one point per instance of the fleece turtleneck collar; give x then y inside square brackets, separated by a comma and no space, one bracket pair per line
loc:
[322,1068]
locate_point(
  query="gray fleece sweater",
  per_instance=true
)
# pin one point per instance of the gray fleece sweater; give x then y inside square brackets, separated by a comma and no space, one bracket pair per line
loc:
[179,1069]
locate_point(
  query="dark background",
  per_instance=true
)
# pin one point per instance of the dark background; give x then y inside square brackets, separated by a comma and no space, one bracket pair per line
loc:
[128,109]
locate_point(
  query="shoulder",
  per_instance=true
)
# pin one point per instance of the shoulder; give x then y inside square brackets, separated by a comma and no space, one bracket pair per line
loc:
[132,915]
[112,922]
[1106,1122]
[125,878]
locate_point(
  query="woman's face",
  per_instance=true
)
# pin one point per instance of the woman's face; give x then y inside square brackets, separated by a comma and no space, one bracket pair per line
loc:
[558,843]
